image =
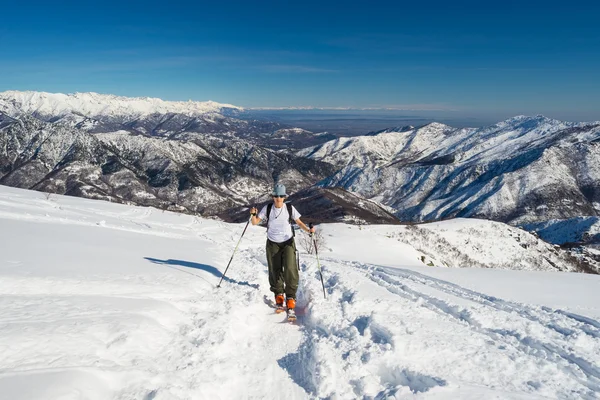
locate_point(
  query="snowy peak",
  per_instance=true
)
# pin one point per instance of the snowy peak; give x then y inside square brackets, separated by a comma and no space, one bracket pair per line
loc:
[385,146]
[95,105]
[521,119]
[436,126]
[523,124]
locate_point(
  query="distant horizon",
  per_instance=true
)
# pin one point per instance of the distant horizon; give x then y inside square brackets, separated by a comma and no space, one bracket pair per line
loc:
[455,118]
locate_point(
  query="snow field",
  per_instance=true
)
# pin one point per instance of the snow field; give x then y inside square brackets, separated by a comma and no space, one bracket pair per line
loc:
[105,301]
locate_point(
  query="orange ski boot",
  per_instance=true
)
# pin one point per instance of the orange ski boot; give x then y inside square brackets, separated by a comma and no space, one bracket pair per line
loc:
[279,303]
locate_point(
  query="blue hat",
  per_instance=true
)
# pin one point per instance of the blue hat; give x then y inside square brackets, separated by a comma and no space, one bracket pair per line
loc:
[279,190]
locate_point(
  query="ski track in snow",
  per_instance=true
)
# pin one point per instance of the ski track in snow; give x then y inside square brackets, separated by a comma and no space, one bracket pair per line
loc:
[162,330]
[534,338]
[566,329]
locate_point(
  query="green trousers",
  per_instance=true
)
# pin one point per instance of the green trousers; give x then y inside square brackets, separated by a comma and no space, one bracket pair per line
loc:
[283,269]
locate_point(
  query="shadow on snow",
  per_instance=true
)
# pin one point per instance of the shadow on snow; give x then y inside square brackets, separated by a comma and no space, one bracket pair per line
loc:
[203,267]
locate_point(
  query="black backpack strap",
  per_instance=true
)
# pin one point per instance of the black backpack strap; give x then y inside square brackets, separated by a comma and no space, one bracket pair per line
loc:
[291,220]
[289,207]
[269,207]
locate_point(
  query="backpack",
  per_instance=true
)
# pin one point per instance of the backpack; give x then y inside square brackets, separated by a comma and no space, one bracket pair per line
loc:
[289,209]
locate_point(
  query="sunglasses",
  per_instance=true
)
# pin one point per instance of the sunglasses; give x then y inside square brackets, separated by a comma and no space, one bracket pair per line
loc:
[279,196]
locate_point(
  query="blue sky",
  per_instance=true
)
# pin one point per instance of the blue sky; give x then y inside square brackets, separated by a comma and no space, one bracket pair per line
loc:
[472,58]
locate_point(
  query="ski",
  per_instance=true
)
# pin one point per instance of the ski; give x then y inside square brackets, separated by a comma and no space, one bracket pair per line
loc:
[279,308]
[291,315]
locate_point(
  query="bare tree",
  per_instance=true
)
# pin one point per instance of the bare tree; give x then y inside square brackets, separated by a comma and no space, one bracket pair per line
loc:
[307,242]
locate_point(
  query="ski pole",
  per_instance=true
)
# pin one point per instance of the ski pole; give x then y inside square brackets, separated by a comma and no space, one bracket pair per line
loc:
[231,259]
[318,262]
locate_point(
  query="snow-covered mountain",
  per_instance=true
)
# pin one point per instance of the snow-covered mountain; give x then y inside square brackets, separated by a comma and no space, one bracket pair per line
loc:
[108,301]
[193,156]
[188,156]
[525,169]
[206,175]
[95,105]
[177,120]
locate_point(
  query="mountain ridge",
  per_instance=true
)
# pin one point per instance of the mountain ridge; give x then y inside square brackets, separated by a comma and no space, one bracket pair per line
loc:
[434,171]
[92,104]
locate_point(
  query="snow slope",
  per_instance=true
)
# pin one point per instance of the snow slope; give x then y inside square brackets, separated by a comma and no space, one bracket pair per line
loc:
[106,301]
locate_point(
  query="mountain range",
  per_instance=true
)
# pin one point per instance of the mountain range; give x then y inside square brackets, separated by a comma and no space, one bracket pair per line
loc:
[202,157]
[206,175]
[152,117]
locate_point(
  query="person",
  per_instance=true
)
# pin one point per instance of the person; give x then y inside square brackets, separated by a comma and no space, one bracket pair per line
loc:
[281,248]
